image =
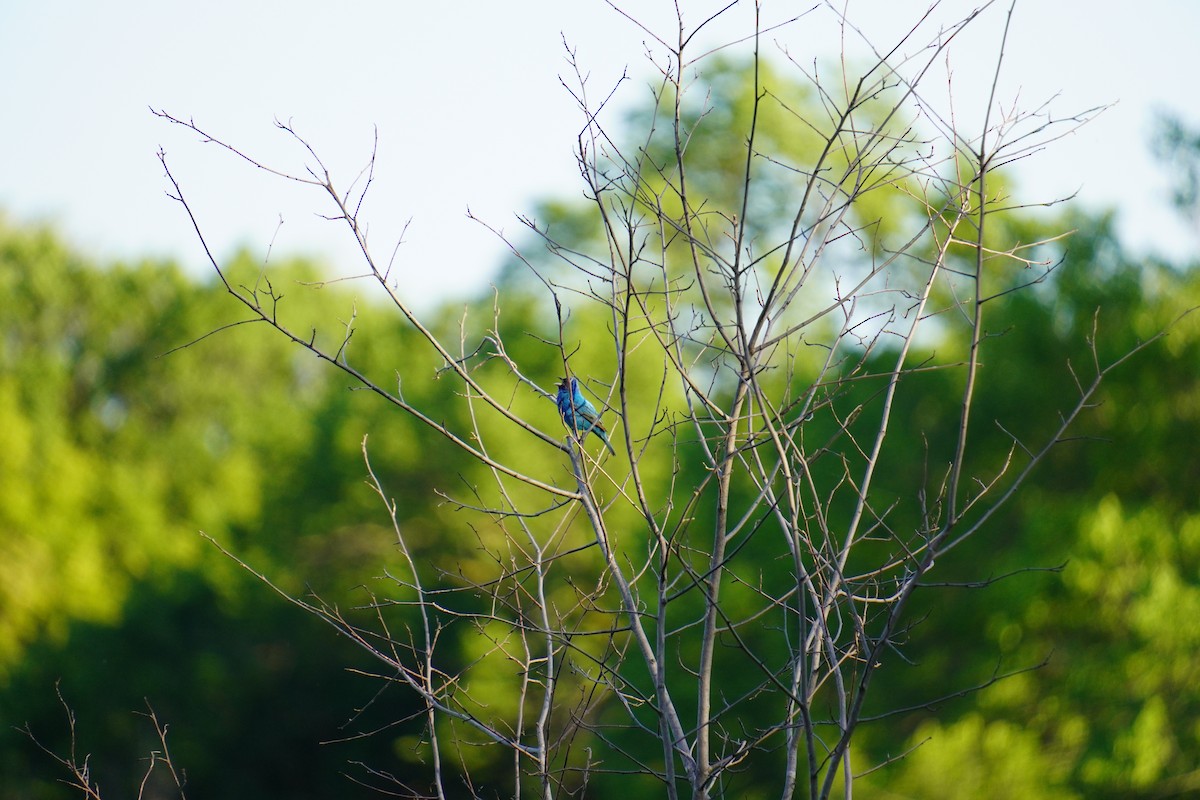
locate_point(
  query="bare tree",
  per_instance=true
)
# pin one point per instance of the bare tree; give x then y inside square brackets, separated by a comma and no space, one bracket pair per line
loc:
[79,768]
[716,600]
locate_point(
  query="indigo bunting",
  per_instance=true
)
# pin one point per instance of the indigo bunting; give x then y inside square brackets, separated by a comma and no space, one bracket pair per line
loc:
[579,414]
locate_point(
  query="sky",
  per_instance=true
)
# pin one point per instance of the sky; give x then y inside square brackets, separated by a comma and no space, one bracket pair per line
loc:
[470,113]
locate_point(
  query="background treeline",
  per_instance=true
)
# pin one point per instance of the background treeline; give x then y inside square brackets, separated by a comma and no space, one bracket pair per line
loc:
[118,445]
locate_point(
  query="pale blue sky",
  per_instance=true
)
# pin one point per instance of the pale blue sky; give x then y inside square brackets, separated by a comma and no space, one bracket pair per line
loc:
[470,112]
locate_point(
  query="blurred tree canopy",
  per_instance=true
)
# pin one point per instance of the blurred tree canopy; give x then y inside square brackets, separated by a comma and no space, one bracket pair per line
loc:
[117,453]
[120,445]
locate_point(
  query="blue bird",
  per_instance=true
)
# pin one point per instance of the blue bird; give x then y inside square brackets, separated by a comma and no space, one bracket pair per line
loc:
[579,414]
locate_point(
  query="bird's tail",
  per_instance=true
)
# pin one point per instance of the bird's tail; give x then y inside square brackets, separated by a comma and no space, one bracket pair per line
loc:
[604,438]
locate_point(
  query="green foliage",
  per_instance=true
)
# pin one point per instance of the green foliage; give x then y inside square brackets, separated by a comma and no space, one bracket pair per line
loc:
[977,758]
[119,449]
[1110,713]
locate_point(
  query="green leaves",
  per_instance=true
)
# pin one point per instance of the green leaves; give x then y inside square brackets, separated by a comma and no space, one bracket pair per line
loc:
[121,442]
